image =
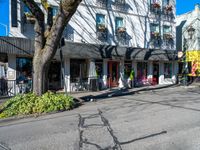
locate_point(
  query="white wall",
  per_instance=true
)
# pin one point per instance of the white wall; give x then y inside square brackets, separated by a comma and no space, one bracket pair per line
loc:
[137,19]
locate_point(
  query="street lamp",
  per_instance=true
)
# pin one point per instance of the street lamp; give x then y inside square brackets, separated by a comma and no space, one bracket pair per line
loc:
[6,27]
[191,31]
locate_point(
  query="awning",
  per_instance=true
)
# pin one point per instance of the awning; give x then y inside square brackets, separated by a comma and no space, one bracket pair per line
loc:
[15,45]
[82,50]
[23,46]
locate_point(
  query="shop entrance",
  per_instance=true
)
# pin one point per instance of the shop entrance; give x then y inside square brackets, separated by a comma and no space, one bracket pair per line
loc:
[155,73]
[113,73]
[54,75]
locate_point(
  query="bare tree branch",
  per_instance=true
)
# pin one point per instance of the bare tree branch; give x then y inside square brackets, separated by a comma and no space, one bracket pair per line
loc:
[66,10]
[39,22]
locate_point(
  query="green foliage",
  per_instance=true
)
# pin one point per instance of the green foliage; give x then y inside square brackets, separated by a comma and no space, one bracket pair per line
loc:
[31,104]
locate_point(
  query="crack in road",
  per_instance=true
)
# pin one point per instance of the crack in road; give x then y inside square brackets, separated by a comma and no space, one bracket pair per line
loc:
[82,127]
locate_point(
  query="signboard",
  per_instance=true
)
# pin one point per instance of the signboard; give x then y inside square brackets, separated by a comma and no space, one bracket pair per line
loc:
[194,57]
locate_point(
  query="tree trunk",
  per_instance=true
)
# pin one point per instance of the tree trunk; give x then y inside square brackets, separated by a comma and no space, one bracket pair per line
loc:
[46,44]
[38,75]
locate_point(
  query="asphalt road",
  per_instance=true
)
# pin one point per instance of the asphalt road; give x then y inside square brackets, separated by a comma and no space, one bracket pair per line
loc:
[166,119]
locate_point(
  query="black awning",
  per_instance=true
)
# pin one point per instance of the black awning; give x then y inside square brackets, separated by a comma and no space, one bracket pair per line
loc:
[82,50]
[15,45]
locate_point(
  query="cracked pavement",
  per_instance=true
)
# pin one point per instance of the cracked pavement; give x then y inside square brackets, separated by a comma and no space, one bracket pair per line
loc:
[165,119]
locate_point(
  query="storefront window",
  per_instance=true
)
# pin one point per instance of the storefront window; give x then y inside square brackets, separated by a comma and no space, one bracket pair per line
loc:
[78,69]
[99,68]
[24,69]
[141,70]
[127,69]
[167,70]
[3,62]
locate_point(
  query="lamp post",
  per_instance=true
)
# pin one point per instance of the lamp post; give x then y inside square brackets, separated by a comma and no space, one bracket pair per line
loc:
[6,27]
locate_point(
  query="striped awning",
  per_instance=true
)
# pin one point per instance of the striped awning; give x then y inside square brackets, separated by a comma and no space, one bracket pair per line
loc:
[15,45]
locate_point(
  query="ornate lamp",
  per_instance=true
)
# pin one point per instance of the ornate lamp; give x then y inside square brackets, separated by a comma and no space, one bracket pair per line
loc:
[191,31]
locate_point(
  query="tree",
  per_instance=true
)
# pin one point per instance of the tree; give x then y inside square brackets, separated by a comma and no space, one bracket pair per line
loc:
[47,37]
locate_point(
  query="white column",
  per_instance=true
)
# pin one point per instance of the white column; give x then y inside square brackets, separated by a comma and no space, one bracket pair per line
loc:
[134,66]
[121,74]
[11,72]
[105,73]
[150,70]
[67,74]
[161,73]
[175,71]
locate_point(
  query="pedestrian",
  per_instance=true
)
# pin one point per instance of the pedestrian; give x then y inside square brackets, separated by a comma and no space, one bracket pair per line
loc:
[132,76]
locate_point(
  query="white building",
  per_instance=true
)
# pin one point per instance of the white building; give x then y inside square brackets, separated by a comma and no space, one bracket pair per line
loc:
[188,40]
[107,38]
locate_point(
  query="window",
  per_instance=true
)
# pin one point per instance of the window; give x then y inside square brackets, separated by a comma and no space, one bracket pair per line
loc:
[167,70]
[141,70]
[99,68]
[101,3]
[154,28]
[14,13]
[24,68]
[166,29]
[119,22]
[165,2]
[127,69]
[100,19]
[69,33]
[101,27]
[78,69]
[55,10]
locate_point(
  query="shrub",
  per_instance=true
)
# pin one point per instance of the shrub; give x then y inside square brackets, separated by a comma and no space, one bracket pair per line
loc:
[32,104]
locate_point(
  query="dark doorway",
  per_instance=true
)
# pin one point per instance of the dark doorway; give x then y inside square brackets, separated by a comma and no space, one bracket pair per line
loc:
[156,72]
[55,75]
[113,73]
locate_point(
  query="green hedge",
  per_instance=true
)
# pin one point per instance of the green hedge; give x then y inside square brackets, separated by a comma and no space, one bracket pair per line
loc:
[25,104]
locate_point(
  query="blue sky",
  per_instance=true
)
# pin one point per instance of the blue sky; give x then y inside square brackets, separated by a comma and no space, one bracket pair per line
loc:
[183,6]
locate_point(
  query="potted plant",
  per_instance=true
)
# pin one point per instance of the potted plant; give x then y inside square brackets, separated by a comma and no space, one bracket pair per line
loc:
[156,5]
[169,8]
[121,29]
[101,27]
[167,36]
[30,17]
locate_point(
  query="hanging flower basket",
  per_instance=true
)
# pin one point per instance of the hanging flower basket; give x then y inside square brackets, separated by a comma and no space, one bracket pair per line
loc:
[121,30]
[155,34]
[169,8]
[101,27]
[156,5]
[30,18]
[167,36]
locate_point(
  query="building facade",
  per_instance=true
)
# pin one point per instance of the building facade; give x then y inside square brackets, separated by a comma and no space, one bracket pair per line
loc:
[107,39]
[188,41]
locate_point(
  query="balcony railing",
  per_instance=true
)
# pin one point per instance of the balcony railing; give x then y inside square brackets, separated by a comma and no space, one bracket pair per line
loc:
[120,5]
[121,35]
[168,41]
[155,35]
[155,39]
[168,9]
[167,36]
[101,32]
[102,3]
[168,12]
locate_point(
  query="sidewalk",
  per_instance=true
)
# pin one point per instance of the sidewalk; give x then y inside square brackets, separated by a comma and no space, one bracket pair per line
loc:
[93,96]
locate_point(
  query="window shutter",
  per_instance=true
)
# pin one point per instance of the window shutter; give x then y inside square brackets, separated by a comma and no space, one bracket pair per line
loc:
[14,13]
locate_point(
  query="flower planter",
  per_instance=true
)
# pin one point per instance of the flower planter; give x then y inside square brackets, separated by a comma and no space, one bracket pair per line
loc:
[101,28]
[121,30]
[156,5]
